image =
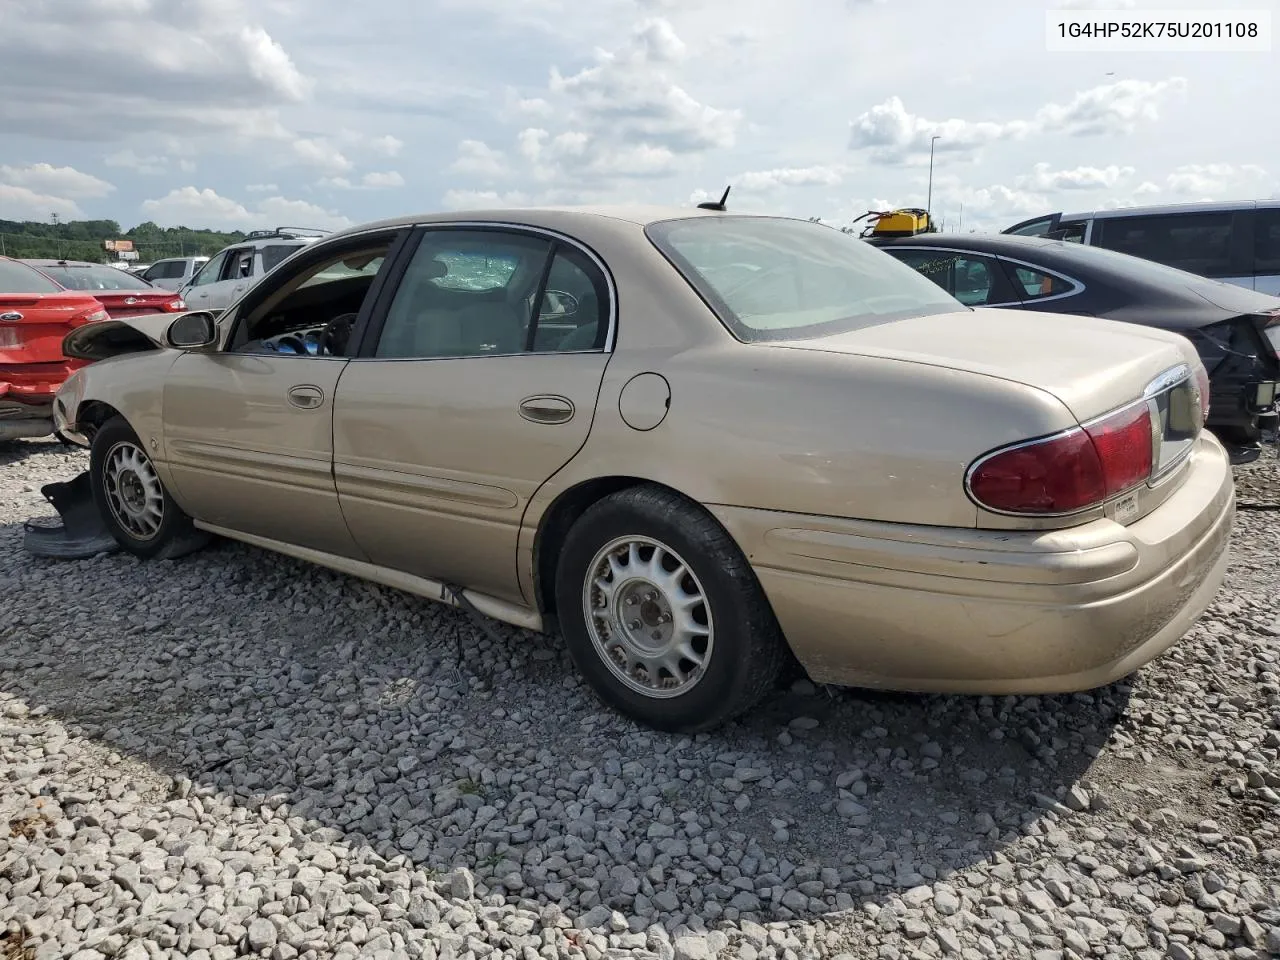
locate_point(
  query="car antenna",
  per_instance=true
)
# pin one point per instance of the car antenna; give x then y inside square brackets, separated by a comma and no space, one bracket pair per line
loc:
[716,204]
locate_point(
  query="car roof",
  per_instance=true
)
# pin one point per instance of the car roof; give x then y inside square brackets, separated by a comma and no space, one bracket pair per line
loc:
[1166,209]
[641,215]
[65,263]
[1005,244]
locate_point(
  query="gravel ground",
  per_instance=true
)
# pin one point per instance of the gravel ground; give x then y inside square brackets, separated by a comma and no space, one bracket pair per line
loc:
[236,754]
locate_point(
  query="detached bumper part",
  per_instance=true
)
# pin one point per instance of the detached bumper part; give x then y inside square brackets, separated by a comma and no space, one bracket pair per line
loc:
[79,534]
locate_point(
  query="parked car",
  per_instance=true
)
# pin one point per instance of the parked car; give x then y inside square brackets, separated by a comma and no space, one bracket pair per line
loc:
[35,315]
[232,270]
[173,273]
[1235,331]
[1238,243]
[119,292]
[744,438]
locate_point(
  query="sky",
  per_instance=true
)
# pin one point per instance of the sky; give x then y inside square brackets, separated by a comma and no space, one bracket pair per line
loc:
[249,113]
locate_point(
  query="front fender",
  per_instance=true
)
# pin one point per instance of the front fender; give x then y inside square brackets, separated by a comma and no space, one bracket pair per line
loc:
[131,385]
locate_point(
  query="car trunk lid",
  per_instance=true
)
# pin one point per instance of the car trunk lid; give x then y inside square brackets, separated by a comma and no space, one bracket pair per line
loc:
[32,325]
[1091,365]
[134,303]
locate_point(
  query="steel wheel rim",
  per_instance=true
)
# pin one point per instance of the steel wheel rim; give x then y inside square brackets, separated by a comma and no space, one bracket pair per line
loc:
[648,617]
[134,494]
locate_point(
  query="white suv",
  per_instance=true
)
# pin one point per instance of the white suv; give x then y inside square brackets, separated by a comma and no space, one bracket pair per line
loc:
[234,269]
[172,273]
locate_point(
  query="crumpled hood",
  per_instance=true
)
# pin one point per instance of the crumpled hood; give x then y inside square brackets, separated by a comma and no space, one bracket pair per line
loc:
[110,338]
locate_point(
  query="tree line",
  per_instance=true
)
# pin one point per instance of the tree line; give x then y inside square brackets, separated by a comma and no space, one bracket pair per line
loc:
[82,240]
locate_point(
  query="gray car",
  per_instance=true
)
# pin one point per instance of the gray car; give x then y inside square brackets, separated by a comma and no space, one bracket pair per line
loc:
[1236,243]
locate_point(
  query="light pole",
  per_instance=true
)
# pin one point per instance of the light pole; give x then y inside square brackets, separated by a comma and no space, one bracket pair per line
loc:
[928,204]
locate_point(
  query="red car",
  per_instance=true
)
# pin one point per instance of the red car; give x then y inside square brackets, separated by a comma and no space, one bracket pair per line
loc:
[122,293]
[35,314]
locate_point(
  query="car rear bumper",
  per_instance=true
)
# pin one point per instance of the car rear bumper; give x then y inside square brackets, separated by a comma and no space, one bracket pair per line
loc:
[19,420]
[917,608]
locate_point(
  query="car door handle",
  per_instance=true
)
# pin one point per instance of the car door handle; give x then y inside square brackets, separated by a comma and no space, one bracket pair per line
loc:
[547,409]
[306,396]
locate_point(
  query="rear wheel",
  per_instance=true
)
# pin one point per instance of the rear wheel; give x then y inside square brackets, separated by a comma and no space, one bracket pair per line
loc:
[662,613]
[132,500]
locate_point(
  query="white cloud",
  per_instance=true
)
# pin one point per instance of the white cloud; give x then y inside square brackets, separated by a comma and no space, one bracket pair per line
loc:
[383,180]
[1218,180]
[261,188]
[1079,178]
[622,118]
[318,152]
[1093,4]
[1112,108]
[174,66]
[131,160]
[193,207]
[478,158]
[387,146]
[893,134]
[816,176]
[1146,187]
[21,203]
[481,199]
[370,181]
[61,181]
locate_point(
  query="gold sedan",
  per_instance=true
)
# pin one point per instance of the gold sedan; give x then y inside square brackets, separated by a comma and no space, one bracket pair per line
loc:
[693,442]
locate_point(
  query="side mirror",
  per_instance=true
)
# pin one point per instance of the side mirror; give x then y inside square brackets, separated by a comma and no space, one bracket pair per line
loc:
[192,331]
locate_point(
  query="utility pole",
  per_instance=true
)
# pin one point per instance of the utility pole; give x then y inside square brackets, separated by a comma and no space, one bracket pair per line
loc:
[960,225]
[928,206]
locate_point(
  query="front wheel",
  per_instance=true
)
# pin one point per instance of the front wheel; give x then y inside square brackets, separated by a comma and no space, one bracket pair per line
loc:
[132,500]
[662,613]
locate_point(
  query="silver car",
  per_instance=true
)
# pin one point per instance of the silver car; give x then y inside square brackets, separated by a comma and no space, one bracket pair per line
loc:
[234,269]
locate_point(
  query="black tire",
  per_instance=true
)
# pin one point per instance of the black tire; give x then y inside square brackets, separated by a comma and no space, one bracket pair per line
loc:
[747,650]
[174,535]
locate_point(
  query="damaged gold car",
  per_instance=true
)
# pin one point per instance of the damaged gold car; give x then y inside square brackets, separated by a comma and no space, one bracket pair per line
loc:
[695,443]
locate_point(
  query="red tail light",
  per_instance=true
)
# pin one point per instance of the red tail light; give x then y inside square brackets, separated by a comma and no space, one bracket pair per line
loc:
[1068,472]
[175,306]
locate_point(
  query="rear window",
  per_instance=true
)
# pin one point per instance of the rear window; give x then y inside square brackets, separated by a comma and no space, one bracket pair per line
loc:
[274,254]
[19,278]
[95,278]
[771,278]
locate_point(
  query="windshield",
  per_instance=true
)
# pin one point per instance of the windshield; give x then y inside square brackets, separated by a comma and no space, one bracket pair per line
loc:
[19,278]
[92,277]
[777,279]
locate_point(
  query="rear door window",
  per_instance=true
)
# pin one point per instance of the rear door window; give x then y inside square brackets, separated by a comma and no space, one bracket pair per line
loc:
[274,254]
[1031,283]
[1196,242]
[972,279]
